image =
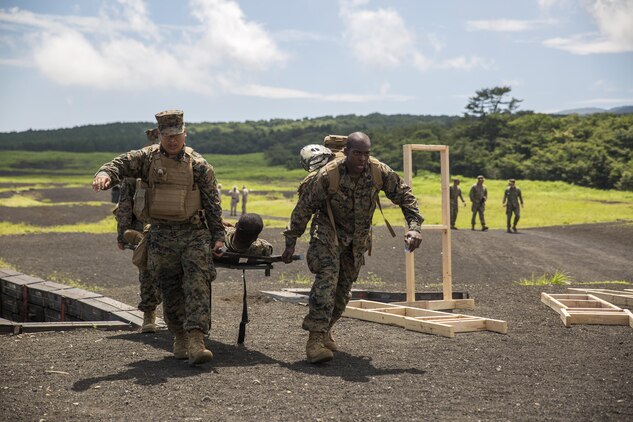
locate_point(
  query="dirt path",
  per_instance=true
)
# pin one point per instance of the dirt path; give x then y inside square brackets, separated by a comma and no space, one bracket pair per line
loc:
[540,370]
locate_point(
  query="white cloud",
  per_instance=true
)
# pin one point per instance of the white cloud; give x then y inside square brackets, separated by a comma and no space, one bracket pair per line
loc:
[381,38]
[284,93]
[122,48]
[503,25]
[421,62]
[613,19]
[377,37]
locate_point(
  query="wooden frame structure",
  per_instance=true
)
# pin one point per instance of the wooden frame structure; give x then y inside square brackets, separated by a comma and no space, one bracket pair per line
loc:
[586,309]
[421,320]
[447,276]
[616,297]
[422,315]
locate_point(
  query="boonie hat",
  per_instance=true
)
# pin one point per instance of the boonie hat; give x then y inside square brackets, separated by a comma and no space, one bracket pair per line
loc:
[170,122]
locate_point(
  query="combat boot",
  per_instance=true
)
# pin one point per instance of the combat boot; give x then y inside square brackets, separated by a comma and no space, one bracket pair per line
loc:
[473,228]
[198,354]
[315,350]
[328,339]
[149,322]
[484,228]
[181,341]
[514,229]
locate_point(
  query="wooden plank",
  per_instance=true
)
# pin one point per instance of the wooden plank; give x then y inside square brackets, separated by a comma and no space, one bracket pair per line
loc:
[370,304]
[441,304]
[497,325]
[428,148]
[447,273]
[586,309]
[614,297]
[429,327]
[599,319]
[423,320]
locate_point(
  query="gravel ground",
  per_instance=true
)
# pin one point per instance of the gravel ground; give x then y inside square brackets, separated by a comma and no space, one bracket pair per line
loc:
[540,370]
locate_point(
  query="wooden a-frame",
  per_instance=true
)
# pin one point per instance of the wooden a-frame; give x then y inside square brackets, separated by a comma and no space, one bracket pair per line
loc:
[447,277]
[408,314]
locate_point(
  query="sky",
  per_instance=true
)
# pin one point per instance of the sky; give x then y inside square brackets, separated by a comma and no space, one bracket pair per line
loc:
[67,63]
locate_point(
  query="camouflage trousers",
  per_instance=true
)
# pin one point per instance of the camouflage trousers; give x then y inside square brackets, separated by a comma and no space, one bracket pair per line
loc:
[335,271]
[179,258]
[516,210]
[478,208]
[150,293]
[454,212]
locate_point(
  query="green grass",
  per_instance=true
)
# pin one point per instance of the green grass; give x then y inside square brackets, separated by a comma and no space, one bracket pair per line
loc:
[5,264]
[301,279]
[546,203]
[68,280]
[557,279]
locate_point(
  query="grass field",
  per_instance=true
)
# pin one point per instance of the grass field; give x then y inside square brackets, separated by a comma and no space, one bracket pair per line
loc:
[546,203]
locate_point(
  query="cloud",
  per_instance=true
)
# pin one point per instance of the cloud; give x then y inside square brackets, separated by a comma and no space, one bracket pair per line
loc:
[503,25]
[605,102]
[122,48]
[377,37]
[423,63]
[615,33]
[285,93]
[380,38]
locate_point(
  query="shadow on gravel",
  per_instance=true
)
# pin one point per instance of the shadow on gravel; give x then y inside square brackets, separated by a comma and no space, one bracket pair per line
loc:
[349,368]
[154,372]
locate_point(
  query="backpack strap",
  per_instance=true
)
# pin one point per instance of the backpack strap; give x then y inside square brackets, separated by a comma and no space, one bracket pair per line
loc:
[376,177]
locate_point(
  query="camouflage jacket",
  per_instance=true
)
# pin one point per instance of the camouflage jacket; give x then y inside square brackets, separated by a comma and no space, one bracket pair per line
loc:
[136,164]
[353,207]
[512,197]
[259,247]
[478,194]
[124,211]
[454,193]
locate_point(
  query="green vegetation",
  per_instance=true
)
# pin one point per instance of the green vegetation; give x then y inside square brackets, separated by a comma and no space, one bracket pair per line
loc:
[301,279]
[493,140]
[5,264]
[546,203]
[558,278]
[68,280]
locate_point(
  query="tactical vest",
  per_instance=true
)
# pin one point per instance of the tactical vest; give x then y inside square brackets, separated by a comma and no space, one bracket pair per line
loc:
[334,177]
[170,194]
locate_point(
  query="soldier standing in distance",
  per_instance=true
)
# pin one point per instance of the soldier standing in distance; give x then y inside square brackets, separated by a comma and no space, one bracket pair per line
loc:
[183,209]
[455,192]
[478,196]
[126,220]
[244,198]
[337,248]
[511,198]
[235,198]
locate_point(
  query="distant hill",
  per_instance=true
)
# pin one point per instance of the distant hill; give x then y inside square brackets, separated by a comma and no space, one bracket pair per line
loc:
[628,109]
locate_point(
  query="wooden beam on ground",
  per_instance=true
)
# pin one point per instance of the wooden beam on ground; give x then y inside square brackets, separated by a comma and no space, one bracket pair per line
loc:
[421,320]
[616,297]
[586,309]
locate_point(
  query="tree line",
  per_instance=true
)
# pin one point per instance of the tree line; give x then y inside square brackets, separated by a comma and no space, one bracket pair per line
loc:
[490,139]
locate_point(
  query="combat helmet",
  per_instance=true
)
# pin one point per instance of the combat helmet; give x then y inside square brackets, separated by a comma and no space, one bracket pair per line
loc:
[314,156]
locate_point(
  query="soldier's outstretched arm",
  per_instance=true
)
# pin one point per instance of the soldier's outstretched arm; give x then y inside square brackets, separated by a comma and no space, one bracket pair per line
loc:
[101,181]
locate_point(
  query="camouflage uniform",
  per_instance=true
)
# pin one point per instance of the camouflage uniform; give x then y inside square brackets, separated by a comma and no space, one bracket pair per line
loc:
[353,205]
[259,247]
[511,199]
[244,199]
[179,254]
[235,198]
[454,192]
[124,214]
[478,196]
